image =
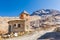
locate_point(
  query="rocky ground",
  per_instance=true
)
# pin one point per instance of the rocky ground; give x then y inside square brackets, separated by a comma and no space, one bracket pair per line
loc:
[33,36]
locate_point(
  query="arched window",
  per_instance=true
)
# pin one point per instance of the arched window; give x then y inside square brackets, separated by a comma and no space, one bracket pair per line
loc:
[19,25]
[9,28]
[22,16]
[14,24]
[9,25]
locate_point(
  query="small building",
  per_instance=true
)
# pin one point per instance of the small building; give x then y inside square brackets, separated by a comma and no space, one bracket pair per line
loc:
[21,25]
[16,25]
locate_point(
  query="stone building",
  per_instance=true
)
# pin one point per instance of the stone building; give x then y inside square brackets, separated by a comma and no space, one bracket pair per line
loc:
[57,18]
[21,25]
[35,21]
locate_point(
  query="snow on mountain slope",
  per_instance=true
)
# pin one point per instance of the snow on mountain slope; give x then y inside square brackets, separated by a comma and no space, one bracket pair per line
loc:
[45,12]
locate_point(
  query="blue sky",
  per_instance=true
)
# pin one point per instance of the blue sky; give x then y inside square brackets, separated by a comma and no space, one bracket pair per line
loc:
[15,7]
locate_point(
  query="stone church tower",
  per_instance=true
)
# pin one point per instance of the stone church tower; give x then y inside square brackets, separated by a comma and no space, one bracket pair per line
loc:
[25,16]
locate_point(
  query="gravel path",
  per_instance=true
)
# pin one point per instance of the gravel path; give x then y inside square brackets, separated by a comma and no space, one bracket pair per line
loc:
[33,36]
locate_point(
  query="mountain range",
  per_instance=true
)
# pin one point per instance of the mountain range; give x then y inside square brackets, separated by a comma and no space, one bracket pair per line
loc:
[46,12]
[48,16]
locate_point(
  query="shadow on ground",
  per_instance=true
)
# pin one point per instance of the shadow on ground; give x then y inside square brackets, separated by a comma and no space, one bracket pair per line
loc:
[50,35]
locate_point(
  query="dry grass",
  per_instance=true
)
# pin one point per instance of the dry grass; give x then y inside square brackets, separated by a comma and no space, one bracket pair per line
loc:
[4,24]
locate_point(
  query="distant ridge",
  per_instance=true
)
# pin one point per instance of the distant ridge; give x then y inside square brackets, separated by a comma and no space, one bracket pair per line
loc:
[46,12]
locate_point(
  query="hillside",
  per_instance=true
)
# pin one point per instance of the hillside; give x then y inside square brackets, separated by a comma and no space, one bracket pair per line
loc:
[50,16]
[4,23]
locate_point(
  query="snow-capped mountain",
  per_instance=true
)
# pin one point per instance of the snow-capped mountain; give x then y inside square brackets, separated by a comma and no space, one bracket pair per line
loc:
[50,16]
[45,12]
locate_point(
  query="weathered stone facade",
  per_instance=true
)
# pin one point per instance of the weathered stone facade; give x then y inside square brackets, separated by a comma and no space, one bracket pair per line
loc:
[16,26]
